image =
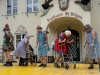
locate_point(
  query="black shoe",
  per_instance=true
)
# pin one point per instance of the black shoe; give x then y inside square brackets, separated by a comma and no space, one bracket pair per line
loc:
[10,64]
[99,65]
[44,65]
[67,66]
[23,60]
[26,64]
[41,65]
[26,61]
[56,65]
[91,66]
[6,63]
[20,62]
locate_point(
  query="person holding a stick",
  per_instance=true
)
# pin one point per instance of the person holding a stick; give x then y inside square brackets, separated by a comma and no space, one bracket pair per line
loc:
[91,40]
[42,43]
[21,49]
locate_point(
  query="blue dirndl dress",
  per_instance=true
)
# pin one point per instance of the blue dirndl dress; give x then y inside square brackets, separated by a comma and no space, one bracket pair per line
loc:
[92,52]
[42,50]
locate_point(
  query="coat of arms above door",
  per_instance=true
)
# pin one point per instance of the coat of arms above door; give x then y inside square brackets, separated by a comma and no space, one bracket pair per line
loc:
[63,4]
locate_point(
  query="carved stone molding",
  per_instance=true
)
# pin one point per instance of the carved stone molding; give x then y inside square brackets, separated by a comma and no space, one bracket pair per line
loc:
[21,29]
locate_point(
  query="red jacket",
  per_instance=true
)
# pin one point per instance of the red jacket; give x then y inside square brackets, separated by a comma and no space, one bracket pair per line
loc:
[63,48]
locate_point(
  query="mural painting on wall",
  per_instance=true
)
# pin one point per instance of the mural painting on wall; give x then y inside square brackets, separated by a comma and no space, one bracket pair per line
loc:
[21,29]
[46,6]
[63,4]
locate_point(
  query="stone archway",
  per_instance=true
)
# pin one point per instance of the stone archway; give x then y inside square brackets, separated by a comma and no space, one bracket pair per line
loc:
[58,25]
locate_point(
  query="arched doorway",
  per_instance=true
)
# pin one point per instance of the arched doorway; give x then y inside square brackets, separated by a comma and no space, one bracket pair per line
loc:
[75,26]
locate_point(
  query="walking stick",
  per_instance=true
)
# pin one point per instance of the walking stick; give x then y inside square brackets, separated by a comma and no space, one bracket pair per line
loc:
[97,58]
[86,56]
[81,58]
[35,58]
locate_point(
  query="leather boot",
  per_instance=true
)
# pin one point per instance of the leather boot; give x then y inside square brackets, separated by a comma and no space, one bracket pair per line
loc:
[20,62]
[6,63]
[23,60]
[26,61]
[9,63]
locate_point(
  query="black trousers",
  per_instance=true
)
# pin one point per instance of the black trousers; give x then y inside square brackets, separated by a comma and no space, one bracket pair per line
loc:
[21,62]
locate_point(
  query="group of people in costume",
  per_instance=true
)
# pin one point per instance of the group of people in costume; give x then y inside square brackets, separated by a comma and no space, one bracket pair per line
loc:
[60,46]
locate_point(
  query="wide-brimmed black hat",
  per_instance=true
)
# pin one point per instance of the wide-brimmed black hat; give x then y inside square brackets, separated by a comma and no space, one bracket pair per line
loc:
[6,29]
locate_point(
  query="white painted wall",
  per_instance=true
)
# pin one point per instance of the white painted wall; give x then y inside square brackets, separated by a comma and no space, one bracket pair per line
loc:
[32,21]
[72,8]
[95,16]
[21,18]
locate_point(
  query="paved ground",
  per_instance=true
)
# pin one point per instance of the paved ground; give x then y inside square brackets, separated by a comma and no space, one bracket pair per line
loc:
[49,70]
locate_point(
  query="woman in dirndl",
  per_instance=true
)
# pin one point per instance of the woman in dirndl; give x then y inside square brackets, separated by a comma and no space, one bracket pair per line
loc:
[21,50]
[93,45]
[61,45]
[8,45]
[43,47]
